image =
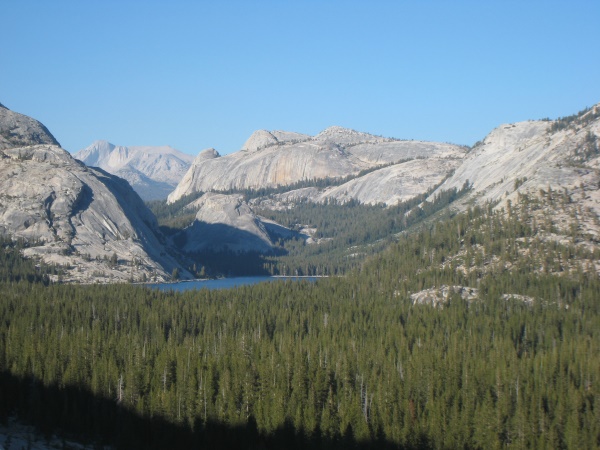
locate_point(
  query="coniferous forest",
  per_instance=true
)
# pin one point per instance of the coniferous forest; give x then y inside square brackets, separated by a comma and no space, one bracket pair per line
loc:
[346,362]
[347,233]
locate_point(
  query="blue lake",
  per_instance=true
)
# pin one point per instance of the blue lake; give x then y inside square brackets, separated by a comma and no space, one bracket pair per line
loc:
[223,283]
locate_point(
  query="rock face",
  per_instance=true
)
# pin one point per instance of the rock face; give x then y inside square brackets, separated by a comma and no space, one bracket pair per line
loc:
[515,159]
[84,219]
[397,171]
[531,156]
[227,222]
[394,184]
[389,185]
[439,296]
[17,130]
[278,158]
[262,139]
[153,172]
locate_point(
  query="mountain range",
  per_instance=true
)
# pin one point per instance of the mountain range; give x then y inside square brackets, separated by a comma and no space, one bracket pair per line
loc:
[344,165]
[153,172]
[272,159]
[94,225]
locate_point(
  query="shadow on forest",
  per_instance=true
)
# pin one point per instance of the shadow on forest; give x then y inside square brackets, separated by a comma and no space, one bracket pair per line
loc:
[78,414]
[225,249]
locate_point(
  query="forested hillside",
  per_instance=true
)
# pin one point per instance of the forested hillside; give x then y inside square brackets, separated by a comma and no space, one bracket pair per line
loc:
[350,362]
[13,267]
[343,236]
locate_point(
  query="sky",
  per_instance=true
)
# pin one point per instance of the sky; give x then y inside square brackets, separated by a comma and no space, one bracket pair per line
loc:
[201,74]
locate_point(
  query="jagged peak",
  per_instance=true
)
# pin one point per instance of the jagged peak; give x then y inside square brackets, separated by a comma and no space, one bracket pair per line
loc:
[100,150]
[95,152]
[136,149]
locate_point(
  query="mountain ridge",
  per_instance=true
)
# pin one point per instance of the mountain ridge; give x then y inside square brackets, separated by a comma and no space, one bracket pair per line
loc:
[511,162]
[526,157]
[273,159]
[153,171]
[67,210]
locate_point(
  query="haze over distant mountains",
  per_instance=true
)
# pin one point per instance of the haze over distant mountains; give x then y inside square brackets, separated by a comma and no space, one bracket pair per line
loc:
[153,172]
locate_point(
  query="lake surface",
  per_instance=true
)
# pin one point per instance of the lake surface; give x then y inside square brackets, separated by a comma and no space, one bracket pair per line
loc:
[223,283]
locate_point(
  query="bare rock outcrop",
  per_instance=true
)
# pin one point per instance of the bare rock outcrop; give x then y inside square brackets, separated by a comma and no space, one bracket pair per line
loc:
[225,222]
[228,223]
[533,156]
[389,185]
[277,158]
[86,220]
[268,167]
[262,138]
[18,130]
[259,139]
[437,297]
[394,151]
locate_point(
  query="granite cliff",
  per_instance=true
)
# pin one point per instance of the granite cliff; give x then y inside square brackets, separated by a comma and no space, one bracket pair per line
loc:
[17,130]
[278,158]
[377,170]
[534,158]
[84,219]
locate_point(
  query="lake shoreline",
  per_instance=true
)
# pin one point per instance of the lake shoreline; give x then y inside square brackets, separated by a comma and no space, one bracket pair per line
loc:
[228,282]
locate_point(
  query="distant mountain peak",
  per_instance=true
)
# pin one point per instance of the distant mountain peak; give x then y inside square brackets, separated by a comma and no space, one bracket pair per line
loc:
[152,171]
[100,142]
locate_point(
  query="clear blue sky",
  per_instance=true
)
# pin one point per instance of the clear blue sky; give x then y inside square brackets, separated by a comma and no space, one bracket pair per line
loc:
[194,74]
